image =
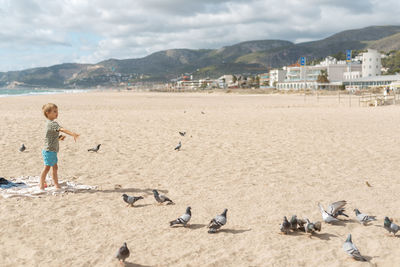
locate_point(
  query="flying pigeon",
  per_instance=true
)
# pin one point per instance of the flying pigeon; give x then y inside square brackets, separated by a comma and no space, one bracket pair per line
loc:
[182,133]
[352,250]
[184,219]
[337,208]
[326,216]
[161,198]
[95,149]
[390,226]
[217,222]
[178,147]
[312,227]
[123,253]
[363,218]
[131,200]
[22,148]
[293,223]
[285,226]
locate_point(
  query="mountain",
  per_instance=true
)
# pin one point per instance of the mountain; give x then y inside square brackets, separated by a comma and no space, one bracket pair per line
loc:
[246,57]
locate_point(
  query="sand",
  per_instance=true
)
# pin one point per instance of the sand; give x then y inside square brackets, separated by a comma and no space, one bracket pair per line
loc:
[260,156]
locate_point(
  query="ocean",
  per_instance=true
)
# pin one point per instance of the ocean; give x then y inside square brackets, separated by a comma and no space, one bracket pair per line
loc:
[4,92]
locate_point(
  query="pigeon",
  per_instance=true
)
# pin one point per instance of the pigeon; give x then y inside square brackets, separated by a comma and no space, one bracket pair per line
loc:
[123,253]
[363,218]
[301,224]
[217,222]
[293,223]
[178,147]
[161,198]
[203,112]
[312,227]
[95,149]
[285,226]
[131,200]
[337,208]
[390,226]
[22,148]
[352,250]
[326,216]
[184,219]
[182,133]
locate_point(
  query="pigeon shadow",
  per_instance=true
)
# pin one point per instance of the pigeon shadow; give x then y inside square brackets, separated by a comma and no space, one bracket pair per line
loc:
[324,236]
[340,223]
[130,264]
[196,226]
[141,205]
[233,231]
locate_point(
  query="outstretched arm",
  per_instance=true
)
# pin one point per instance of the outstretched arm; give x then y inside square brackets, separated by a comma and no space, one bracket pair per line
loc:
[75,135]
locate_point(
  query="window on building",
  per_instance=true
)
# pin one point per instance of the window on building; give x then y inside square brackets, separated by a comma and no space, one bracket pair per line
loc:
[369,66]
[370,59]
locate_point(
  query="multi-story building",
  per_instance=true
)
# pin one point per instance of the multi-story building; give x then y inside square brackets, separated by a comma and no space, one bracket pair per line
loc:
[372,64]
[276,76]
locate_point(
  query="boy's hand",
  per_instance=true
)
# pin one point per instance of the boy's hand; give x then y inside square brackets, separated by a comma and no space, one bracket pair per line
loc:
[75,135]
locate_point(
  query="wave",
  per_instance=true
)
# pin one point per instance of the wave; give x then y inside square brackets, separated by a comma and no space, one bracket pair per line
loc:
[27,92]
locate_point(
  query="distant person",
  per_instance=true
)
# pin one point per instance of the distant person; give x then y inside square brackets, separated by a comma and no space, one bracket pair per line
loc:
[51,146]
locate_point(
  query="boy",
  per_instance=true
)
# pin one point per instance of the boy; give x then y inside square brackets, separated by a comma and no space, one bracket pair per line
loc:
[51,147]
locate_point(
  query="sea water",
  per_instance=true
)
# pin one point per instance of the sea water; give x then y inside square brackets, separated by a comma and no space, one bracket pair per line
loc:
[4,92]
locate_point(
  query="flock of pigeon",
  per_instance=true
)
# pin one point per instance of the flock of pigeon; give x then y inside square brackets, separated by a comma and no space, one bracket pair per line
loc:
[216,223]
[331,216]
[293,225]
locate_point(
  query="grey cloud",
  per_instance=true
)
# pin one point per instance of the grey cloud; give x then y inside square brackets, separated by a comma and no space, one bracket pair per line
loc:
[136,28]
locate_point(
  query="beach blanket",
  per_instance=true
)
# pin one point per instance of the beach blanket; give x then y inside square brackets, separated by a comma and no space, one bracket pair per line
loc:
[28,186]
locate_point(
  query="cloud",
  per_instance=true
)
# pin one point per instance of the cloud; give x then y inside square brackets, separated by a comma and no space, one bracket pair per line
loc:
[55,31]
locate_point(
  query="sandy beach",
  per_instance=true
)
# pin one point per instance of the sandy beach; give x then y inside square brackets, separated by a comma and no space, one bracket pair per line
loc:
[259,156]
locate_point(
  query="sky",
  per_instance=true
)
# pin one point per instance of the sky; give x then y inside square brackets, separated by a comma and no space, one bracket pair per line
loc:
[36,33]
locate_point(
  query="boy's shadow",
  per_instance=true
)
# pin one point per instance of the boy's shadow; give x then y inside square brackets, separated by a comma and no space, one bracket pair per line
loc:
[146,191]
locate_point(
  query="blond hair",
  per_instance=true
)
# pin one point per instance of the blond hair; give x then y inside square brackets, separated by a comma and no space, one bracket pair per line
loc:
[48,107]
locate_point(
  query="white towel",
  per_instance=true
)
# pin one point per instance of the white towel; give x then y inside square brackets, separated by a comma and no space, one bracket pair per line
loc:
[31,188]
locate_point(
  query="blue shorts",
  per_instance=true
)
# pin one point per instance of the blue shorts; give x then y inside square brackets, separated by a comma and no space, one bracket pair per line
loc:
[49,158]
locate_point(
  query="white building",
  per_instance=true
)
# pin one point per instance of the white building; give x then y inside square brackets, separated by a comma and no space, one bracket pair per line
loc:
[371,63]
[276,76]
[225,81]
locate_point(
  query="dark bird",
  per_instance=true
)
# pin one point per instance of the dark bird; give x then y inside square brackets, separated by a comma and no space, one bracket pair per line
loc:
[368,184]
[95,149]
[182,133]
[161,198]
[184,219]
[22,148]
[390,226]
[131,199]
[293,223]
[285,226]
[301,224]
[203,112]
[364,218]
[123,253]
[312,227]
[217,222]
[352,250]
[178,147]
